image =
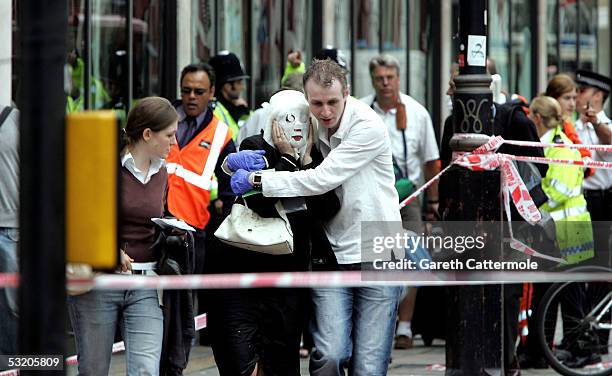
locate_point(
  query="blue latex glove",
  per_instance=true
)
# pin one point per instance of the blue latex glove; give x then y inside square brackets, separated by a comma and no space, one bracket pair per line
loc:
[250,160]
[240,182]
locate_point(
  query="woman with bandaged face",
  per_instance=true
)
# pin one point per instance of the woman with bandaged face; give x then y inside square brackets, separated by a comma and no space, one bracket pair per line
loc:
[258,330]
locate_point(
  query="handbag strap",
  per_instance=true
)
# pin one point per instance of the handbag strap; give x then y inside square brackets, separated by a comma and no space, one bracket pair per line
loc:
[5,113]
[281,210]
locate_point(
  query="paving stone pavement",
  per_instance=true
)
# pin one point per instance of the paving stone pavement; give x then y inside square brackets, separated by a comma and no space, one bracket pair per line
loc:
[418,361]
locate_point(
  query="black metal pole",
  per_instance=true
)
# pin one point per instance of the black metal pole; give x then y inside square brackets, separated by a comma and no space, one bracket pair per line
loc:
[474,341]
[42,291]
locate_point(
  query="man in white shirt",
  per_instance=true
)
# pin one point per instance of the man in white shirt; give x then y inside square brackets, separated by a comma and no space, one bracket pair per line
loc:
[595,128]
[414,148]
[351,326]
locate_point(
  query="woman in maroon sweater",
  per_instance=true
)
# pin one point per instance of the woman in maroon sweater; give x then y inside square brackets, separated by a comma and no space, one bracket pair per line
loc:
[150,133]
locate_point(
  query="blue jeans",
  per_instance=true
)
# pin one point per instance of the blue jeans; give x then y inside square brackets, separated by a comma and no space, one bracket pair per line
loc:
[353,327]
[94,317]
[8,296]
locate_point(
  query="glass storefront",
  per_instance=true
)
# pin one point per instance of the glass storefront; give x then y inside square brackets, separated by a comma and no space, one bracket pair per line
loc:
[520,68]
[268,56]
[367,44]
[499,37]
[119,68]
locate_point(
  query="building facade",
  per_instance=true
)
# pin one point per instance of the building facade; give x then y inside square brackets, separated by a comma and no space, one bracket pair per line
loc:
[123,50]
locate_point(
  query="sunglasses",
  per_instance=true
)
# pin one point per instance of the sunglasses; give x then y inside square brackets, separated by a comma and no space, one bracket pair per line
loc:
[187,91]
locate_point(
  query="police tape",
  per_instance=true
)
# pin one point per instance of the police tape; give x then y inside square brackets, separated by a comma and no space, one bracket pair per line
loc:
[199,323]
[334,279]
[495,142]
[470,136]
[486,158]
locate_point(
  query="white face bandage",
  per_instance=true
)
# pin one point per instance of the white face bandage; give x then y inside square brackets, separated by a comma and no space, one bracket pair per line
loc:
[289,109]
[294,122]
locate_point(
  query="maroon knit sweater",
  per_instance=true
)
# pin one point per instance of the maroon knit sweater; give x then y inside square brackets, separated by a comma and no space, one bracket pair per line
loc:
[139,203]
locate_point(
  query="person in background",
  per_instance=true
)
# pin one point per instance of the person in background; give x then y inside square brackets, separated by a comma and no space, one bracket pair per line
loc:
[595,128]
[295,64]
[568,208]
[150,134]
[194,195]
[562,184]
[351,327]
[9,225]
[563,88]
[230,107]
[415,152]
[202,143]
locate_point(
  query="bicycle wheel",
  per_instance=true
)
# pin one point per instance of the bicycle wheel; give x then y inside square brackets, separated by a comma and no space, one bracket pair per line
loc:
[574,322]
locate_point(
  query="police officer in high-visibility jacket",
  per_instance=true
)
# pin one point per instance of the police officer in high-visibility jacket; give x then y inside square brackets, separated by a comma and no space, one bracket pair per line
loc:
[203,143]
[230,106]
[563,184]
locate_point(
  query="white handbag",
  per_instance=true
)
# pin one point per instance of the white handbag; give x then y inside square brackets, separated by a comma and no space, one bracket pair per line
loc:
[244,228]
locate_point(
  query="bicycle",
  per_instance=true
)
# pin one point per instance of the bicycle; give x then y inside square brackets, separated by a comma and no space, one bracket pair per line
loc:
[574,323]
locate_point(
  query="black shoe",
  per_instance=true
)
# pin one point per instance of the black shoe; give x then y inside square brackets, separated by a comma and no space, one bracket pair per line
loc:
[581,361]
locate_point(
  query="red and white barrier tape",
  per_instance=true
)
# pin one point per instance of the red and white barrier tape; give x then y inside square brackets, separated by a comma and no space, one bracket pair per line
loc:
[199,322]
[485,158]
[535,144]
[329,279]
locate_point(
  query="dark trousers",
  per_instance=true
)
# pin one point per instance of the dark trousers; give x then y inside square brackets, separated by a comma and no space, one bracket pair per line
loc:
[599,204]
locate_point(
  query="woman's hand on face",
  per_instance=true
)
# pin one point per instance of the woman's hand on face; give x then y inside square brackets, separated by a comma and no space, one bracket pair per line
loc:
[280,139]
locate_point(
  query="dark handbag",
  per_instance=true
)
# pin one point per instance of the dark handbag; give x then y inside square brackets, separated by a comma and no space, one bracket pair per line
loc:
[173,249]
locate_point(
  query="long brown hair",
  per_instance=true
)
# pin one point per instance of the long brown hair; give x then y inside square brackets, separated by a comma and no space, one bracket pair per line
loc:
[559,85]
[155,113]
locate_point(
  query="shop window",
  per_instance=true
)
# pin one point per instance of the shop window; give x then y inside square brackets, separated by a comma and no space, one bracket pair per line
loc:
[147,51]
[298,25]
[366,35]
[587,30]
[109,54]
[552,42]
[394,35]
[499,39]
[203,24]
[522,49]
[337,30]
[421,70]
[268,58]
[567,35]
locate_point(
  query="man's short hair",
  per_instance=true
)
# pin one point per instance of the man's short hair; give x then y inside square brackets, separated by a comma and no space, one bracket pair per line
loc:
[324,73]
[199,67]
[384,60]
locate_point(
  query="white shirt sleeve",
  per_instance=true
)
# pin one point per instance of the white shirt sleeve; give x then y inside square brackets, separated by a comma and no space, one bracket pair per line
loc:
[359,147]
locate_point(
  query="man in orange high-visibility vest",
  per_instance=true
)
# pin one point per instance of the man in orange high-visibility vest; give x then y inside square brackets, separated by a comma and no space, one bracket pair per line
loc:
[203,142]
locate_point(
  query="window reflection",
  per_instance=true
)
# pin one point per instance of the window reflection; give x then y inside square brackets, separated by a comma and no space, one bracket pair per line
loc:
[203,22]
[268,58]
[520,61]
[147,37]
[232,27]
[499,38]
[366,43]
[420,53]
[298,28]
[588,34]
[394,34]
[567,29]
[552,52]
[109,69]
